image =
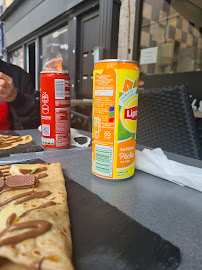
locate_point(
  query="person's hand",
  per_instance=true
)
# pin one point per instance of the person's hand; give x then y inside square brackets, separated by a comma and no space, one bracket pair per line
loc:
[8,92]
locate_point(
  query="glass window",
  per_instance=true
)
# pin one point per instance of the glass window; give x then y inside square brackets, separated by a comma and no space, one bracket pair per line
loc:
[171,37]
[17,57]
[55,50]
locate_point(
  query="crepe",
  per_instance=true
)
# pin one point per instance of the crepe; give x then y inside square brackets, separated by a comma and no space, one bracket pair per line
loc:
[8,141]
[53,248]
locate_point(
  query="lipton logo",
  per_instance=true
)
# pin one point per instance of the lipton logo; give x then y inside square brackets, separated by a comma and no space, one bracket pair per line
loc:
[131,113]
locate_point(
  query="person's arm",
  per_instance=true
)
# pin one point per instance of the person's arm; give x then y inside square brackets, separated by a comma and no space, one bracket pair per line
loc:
[24,106]
[26,109]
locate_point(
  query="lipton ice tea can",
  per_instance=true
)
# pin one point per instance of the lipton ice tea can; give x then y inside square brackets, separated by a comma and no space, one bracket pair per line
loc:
[55,109]
[115,101]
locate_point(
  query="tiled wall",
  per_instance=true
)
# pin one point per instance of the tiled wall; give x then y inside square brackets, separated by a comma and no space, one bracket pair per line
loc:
[161,23]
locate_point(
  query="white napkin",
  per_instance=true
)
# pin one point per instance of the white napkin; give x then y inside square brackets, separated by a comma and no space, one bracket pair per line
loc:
[75,134]
[156,163]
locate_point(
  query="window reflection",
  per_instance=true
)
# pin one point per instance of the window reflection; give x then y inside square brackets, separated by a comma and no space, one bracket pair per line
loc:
[17,58]
[55,50]
[171,37]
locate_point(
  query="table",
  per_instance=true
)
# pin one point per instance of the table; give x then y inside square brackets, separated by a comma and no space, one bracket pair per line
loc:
[168,209]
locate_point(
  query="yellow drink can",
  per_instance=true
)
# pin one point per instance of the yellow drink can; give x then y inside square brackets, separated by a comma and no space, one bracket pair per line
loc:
[115,103]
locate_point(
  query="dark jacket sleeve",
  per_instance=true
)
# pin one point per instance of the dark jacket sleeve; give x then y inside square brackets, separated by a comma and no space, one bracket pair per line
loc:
[25,108]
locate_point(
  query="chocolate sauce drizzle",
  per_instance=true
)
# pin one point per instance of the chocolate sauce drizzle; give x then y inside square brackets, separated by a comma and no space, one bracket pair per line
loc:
[28,196]
[41,169]
[45,205]
[4,142]
[28,171]
[10,139]
[38,227]
[41,175]
[25,171]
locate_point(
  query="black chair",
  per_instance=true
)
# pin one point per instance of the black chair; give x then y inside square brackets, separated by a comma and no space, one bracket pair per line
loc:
[165,119]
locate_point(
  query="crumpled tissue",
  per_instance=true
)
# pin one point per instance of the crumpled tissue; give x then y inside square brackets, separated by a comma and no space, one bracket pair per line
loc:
[76,134]
[155,162]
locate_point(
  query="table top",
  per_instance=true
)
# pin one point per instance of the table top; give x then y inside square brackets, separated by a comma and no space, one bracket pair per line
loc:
[168,209]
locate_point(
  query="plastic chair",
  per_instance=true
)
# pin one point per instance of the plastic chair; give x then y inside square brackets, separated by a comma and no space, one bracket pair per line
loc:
[165,119]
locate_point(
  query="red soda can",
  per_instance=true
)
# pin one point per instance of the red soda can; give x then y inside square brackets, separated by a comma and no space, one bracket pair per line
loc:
[55,109]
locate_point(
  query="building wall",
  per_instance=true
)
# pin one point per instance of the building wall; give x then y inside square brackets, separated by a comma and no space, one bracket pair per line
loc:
[5,4]
[163,24]
[38,13]
[126,29]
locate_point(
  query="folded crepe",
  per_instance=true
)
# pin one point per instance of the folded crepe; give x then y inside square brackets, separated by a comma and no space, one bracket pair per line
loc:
[8,141]
[35,225]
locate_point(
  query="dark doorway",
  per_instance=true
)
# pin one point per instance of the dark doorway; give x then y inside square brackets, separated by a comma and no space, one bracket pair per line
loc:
[88,35]
[87,40]
[31,65]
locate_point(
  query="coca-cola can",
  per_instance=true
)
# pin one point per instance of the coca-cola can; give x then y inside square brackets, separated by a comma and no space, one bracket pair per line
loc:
[55,109]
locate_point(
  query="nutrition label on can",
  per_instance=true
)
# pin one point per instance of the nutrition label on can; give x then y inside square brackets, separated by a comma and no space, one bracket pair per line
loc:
[62,122]
[104,108]
[103,157]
